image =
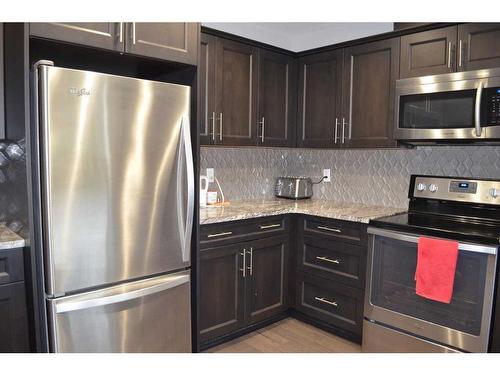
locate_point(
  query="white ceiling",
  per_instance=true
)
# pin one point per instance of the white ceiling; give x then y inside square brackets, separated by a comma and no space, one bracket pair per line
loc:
[300,36]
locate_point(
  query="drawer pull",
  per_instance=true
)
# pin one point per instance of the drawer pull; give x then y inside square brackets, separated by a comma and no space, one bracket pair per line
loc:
[330,229]
[324,300]
[270,226]
[219,234]
[336,261]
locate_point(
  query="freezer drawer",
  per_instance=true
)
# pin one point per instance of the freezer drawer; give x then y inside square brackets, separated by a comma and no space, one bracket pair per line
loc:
[152,315]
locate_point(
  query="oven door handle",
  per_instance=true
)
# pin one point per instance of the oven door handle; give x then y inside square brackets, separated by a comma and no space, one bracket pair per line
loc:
[483,249]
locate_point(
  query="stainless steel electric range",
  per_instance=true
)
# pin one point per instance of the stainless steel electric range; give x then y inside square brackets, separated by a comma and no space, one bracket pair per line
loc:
[396,318]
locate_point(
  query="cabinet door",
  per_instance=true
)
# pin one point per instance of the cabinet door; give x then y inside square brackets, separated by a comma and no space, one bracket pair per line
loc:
[106,35]
[479,46]
[221,291]
[320,80]
[206,90]
[236,93]
[173,41]
[277,99]
[370,73]
[267,279]
[13,319]
[428,52]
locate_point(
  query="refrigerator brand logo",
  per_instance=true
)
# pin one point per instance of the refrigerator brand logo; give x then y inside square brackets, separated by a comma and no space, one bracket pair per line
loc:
[79,92]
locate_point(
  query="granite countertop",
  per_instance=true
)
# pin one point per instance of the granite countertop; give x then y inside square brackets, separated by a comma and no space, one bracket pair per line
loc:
[240,210]
[9,239]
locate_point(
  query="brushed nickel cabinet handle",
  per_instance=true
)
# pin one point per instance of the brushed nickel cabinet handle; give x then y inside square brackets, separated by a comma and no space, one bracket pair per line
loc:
[344,123]
[244,269]
[449,54]
[220,126]
[219,234]
[213,126]
[133,32]
[336,261]
[262,124]
[251,261]
[336,129]
[324,300]
[460,45]
[270,226]
[120,32]
[329,229]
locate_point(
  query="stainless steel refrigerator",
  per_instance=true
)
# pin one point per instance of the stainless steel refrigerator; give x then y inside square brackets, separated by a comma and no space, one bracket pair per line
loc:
[117,204]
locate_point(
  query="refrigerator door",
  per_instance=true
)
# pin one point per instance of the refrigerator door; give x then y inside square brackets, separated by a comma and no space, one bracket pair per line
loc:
[147,316]
[117,178]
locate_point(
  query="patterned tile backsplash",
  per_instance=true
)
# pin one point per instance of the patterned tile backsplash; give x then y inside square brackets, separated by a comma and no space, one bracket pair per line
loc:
[378,177]
[13,185]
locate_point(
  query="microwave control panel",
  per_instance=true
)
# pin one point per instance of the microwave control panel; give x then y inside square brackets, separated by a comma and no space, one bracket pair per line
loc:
[493,103]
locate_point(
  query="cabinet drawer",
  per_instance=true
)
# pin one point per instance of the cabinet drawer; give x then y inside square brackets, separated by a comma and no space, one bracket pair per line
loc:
[332,302]
[347,231]
[336,260]
[243,230]
[11,266]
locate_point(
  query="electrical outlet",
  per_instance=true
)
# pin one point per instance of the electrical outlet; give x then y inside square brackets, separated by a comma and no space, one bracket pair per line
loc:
[210,174]
[326,172]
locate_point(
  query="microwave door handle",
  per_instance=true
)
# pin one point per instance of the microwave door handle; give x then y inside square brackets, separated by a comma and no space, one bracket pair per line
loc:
[477,119]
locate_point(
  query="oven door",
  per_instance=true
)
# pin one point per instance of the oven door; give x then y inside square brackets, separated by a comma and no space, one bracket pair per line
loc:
[452,106]
[391,300]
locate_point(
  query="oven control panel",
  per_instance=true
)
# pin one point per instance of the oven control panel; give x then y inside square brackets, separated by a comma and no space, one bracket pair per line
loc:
[456,189]
[493,103]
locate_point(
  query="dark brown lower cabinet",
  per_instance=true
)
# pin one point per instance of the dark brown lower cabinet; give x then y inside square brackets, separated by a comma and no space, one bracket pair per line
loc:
[240,285]
[221,287]
[13,319]
[268,279]
[330,302]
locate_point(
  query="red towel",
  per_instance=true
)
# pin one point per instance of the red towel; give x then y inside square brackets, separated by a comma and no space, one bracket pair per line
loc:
[436,264]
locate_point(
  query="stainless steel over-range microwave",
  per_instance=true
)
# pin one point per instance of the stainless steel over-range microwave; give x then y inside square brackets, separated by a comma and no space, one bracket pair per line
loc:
[463,106]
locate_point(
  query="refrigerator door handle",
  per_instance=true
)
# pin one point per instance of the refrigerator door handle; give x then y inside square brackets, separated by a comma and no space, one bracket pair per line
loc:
[163,283]
[188,158]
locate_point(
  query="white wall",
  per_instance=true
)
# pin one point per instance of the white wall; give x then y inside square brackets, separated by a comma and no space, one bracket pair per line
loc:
[300,36]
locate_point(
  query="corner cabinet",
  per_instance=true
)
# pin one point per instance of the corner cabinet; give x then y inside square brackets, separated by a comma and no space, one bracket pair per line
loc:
[369,82]
[320,100]
[172,41]
[246,95]
[277,107]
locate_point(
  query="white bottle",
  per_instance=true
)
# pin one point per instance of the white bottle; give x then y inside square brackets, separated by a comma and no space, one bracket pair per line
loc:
[203,191]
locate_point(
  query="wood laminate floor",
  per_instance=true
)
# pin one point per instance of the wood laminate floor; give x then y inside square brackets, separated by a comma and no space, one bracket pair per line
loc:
[288,336]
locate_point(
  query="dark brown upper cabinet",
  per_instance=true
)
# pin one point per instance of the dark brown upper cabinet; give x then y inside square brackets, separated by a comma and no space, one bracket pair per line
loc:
[277,99]
[429,52]
[320,91]
[106,35]
[172,41]
[370,74]
[478,46]
[236,93]
[206,90]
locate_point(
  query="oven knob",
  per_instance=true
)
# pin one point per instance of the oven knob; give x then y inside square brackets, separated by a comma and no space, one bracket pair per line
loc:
[433,188]
[421,187]
[494,192]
